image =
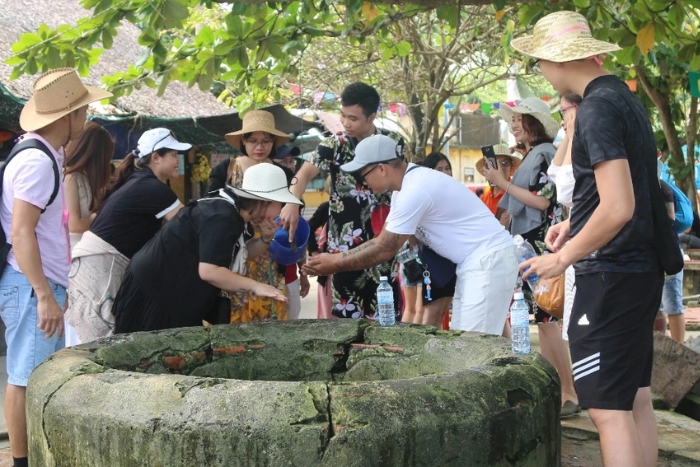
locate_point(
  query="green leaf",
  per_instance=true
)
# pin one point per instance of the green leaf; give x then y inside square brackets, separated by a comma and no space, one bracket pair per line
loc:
[173,13]
[26,40]
[234,25]
[225,47]
[14,60]
[31,67]
[107,39]
[17,71]
[403,48]
[53,58]
[148,37]
[205,37]
[239,8]
[695,62]
[527,13]
[499,4]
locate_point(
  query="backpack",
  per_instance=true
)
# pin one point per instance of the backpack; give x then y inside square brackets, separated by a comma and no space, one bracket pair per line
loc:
[26,144]
[683,209]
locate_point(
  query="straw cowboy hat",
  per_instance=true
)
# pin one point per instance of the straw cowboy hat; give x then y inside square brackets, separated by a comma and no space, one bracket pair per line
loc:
[502,150]
[57,93]
[257,120]
[563,36]
[265,182]
[535,107]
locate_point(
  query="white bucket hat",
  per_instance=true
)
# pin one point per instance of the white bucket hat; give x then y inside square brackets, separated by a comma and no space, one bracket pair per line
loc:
[560,37]
[265,182]
[535,107]
[158,138]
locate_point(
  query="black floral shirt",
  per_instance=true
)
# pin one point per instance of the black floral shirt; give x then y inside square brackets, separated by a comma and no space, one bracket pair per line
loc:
[355,216]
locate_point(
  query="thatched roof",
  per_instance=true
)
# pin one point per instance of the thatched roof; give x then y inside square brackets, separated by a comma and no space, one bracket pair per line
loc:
[20,16]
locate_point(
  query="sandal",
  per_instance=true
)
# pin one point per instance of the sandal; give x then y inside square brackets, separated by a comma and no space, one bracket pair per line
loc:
[569,409]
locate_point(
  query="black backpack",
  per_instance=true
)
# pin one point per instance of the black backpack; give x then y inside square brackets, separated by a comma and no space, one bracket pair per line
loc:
[30,143]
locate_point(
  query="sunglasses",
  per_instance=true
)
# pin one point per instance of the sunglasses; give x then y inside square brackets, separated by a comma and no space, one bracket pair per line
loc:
[535,66]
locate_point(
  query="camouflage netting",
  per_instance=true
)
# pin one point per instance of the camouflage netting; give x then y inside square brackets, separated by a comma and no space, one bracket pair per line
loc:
[206,132]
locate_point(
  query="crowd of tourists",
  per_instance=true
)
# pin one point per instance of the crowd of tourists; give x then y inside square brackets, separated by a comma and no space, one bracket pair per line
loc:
[118,252]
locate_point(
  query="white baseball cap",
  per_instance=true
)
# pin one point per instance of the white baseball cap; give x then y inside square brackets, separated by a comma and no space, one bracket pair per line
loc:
[374,149]
[158,138]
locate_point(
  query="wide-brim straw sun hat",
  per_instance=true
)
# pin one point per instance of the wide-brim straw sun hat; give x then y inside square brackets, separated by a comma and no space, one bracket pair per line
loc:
[57,93]
[560,37]
[266,182]
[502,150]
[257,120]
[535,107]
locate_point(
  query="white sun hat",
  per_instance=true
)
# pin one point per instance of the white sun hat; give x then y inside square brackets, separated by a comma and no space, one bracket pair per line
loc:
[266,182]
[535,107]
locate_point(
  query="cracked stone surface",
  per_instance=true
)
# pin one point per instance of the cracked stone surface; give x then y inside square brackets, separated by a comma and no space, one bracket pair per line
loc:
[299,393]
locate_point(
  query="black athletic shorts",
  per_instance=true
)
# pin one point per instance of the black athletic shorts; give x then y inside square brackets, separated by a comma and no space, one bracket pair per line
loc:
[611,336]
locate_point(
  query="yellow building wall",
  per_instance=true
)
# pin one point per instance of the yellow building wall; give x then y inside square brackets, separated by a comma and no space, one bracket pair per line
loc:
[464,165]
[315,198]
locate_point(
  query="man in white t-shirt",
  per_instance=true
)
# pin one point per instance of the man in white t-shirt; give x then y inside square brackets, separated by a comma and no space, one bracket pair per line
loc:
[447,217]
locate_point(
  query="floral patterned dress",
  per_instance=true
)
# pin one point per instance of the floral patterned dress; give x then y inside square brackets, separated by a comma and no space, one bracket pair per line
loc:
[356,215]
[246,307]
[544,186]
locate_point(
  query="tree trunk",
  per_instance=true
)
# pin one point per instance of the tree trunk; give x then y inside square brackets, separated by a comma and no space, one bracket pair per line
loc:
[662,102]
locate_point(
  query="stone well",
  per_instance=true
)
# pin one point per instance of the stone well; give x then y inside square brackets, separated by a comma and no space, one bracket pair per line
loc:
[338,393]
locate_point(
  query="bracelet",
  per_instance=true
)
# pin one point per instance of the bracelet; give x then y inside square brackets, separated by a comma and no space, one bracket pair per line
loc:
[508,187]
[263,240]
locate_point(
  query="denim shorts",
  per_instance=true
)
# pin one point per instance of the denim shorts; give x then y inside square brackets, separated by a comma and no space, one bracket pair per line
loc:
[27,346]
[672,298]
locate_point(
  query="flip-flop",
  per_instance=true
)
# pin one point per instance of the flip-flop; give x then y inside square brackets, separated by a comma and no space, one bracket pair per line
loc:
[569,409]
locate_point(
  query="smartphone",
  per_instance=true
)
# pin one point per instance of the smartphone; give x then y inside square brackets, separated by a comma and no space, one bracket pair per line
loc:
[490,156]
[489,153]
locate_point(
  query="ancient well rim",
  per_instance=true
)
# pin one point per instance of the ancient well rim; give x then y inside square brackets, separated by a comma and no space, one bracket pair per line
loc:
[329,392]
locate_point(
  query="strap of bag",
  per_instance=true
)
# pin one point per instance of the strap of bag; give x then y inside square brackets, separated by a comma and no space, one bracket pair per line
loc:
[662,222]
[33,143]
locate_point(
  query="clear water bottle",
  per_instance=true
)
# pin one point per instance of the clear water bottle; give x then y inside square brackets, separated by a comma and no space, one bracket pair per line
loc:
[407,253]
[520,325]
[385,302]
[525,251]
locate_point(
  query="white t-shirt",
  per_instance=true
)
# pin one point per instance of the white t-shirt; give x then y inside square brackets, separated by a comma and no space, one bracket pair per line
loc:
[444,215]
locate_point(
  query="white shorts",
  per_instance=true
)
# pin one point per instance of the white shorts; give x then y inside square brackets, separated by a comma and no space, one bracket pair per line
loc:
[485,283]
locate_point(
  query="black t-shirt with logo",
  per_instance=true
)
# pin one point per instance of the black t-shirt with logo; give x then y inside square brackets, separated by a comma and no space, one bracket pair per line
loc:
[133,214]
[167,267]
[607,129]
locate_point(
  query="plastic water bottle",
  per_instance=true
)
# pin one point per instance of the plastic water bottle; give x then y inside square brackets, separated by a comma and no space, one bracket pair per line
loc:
[407,253]
[520,325]
[385,302]
[524,251]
